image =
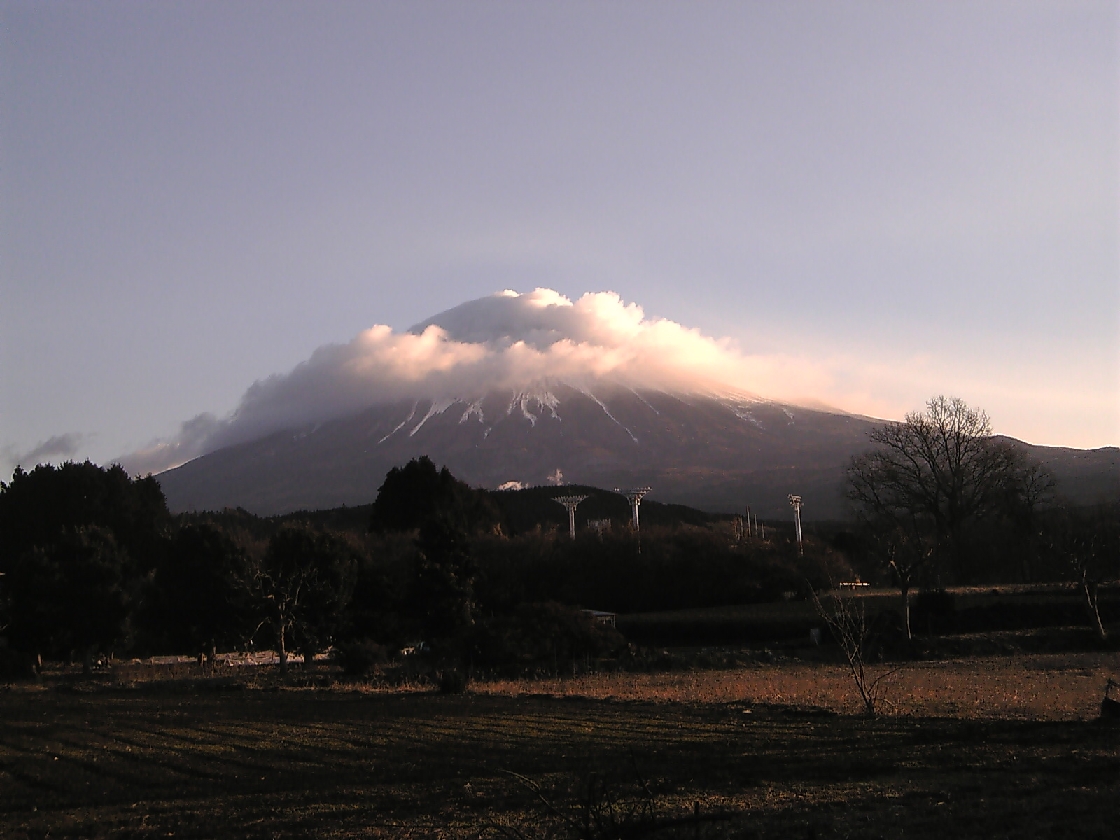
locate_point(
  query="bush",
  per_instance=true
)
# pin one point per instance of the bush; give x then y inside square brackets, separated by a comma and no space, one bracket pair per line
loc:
[543,635]
[361,657]
[932,611]
[452,681]
[18,665]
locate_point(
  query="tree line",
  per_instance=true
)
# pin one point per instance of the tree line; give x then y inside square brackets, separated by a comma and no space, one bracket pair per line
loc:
[94,563]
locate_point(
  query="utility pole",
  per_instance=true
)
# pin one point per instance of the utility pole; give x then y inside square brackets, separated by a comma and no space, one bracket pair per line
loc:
[635,498]
[795,503]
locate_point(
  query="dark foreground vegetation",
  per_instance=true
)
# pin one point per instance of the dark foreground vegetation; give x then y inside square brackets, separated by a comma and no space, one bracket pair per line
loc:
[138,763]
[94,566]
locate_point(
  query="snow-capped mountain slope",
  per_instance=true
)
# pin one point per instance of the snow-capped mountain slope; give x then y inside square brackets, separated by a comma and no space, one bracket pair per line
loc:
[516,387]
[710,451]
[714,452]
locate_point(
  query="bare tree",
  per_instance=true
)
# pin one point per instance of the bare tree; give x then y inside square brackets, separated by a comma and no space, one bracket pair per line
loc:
[1032,492]
[1090,587]
[933,474]
[908,554]
[846,617]
[1090,543]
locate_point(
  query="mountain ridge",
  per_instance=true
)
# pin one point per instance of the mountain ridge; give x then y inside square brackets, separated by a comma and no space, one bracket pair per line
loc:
[710,451]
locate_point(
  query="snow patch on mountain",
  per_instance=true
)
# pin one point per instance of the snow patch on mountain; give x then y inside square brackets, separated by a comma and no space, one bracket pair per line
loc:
[475,408]
[523,399]
[741,407]
[645,401]
[607,412]
[744,414]
[437,408]
[400,425]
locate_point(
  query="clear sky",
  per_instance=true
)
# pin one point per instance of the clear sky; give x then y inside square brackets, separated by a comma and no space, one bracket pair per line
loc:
[890,200]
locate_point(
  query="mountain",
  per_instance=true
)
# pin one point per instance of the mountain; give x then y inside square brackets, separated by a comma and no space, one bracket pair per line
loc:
[713,452]
[529,388]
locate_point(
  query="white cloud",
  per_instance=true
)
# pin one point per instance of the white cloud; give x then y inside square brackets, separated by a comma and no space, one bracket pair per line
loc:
[507,340]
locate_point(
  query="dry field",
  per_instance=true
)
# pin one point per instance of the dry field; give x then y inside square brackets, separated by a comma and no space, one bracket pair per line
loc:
[974,748]
[1041,687]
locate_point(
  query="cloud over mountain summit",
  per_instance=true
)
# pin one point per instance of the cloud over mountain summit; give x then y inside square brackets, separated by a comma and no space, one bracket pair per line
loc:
[506,340]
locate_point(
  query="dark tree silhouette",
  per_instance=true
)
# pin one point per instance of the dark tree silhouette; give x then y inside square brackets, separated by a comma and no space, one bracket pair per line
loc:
[38,507]
[442,593]
[444,513]
[197,598]
[381,586]
[302,586]
[933,475]
[417,493]
[75,542]
[68,596]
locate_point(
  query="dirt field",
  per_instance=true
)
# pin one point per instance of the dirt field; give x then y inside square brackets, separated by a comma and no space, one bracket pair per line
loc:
[975,748]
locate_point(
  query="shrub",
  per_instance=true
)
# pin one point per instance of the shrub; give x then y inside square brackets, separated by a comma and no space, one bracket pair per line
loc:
[361,657]
[17,665]
[543,635]
[932,610]
[452,681]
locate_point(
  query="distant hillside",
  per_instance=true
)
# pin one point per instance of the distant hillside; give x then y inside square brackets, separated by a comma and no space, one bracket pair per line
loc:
[1084,476]
[523,510]
[520,510]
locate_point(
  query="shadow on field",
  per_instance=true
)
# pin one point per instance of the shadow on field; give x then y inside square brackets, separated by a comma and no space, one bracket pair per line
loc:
[249,763]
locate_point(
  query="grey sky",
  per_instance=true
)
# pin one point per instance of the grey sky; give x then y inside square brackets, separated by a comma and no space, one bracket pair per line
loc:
[902,198]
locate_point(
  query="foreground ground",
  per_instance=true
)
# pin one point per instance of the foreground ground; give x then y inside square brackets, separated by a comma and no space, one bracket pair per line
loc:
[975,748]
